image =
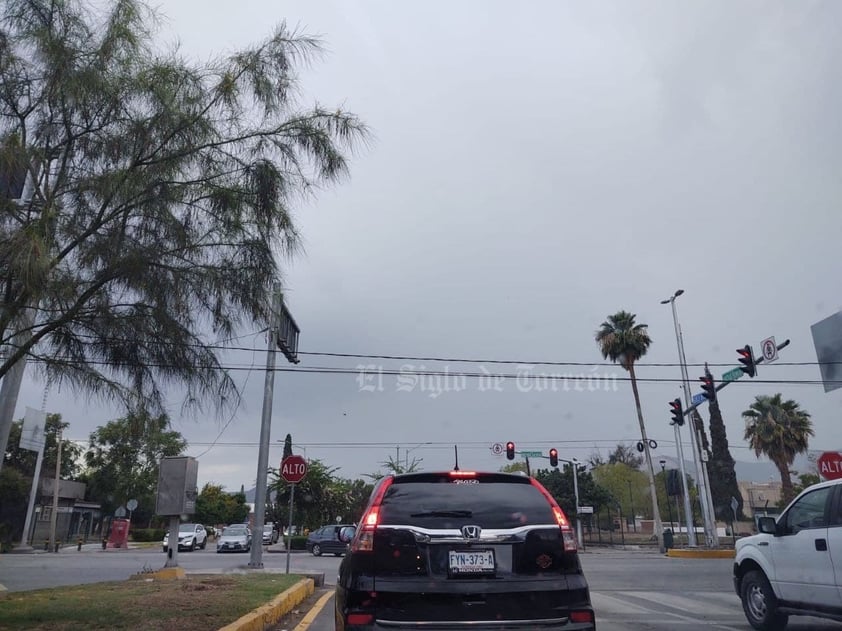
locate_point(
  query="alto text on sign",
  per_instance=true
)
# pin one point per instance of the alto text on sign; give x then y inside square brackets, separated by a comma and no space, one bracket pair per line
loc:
[293,469]
[830,465]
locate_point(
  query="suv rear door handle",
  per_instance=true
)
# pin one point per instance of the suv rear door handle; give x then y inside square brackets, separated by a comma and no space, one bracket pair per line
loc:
[821,545]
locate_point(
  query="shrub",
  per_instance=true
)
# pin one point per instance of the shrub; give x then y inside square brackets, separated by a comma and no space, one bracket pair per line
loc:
[148,534]
[298,542]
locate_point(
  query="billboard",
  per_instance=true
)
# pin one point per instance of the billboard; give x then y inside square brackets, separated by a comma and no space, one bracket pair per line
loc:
[827,338]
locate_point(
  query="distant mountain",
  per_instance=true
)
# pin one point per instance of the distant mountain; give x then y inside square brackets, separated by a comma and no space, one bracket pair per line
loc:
[756,471]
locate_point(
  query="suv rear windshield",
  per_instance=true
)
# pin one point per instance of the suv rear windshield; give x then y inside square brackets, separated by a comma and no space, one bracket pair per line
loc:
[441,501]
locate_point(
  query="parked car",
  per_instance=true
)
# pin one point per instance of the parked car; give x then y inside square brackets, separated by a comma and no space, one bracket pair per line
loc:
[326,540]
[794,565]
[190,537]
[234,538]
[462,549]
[270,534]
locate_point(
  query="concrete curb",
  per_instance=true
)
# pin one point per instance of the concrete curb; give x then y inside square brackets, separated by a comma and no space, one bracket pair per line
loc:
[3,591]
[701,554]
[164,574]
[266,615]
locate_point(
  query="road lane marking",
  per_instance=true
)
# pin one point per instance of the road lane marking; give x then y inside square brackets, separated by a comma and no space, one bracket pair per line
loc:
[307,620]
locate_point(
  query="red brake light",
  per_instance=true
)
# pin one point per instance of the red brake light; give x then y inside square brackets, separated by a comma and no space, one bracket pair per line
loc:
[353,619]
[463,474]
[566,531]
[363,540]
[582,616]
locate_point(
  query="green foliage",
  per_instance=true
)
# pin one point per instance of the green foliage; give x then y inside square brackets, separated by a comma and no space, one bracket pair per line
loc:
[24,460]
[627,455]
[148,534]
[621,340]
[514,467]
[628,485]
[14,498]
[391,466]
[164,195]
[298,542]
[780,430]
[122,461]
[215,506]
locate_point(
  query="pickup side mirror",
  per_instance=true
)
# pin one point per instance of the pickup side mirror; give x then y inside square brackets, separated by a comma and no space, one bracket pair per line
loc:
[346,534]
[768,525]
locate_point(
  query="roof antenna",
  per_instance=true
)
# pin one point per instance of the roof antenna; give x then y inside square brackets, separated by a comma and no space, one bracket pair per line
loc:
[456,454]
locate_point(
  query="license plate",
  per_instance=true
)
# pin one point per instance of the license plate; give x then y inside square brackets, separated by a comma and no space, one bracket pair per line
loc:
[471,562]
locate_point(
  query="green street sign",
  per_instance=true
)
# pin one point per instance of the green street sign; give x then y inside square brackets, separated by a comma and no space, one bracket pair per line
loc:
[733,374]
[532,454]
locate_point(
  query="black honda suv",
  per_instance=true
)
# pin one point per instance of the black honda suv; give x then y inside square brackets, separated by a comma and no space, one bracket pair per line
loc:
[462,550]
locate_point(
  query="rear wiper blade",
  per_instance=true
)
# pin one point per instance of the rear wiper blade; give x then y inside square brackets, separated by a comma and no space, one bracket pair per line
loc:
[443,513]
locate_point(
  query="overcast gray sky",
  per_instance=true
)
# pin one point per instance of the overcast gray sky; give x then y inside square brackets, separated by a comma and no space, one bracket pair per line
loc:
[538,166]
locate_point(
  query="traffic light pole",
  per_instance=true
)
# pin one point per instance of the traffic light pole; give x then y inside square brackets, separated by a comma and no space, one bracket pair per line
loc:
[256,558]
[695,444]
[695,406]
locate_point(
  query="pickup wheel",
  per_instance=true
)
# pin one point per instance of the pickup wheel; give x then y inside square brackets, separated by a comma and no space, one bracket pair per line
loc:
[760,604]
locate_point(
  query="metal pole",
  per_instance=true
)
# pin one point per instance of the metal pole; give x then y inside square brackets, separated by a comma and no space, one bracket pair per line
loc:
[54,515]
[289,530]
[33,492]
[575,466]
[256,560]
[172,550]
[12,380]
[695,441]
[631,501]
[667,492]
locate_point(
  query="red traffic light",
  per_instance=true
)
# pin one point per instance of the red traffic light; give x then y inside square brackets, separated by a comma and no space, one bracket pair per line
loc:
[708,388]
[749,366]
[554,457]
[677,412]
[510,450]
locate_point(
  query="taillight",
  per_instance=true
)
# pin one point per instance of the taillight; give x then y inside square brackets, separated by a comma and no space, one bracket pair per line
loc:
[363,540]
[582,616]
[353,619]
[463,474]
[560,517]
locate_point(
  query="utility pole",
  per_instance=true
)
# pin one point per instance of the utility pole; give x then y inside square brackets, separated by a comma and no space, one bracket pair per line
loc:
[256,558]
[696,445]
[283,335]
[12,379]
[54,514]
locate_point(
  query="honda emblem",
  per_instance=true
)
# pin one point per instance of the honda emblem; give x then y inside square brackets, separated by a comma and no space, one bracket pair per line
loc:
[471,532]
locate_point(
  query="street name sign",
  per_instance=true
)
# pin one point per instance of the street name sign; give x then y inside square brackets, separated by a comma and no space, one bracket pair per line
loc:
[532,454]
[698,399]
[733,374]
[586,510]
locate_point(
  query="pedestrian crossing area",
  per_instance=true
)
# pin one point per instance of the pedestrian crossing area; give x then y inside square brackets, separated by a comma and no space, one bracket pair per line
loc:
[630,610]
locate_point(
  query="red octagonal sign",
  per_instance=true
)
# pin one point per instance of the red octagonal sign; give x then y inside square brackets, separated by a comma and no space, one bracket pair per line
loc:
[293,469]
[830,465]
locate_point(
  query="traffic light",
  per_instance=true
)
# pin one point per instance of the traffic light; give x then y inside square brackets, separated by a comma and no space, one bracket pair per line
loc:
[510,450]
[553,457]
[708,387]
[747,360]
[677,412]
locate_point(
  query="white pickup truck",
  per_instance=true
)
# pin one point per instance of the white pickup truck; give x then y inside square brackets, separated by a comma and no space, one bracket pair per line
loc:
[794,565]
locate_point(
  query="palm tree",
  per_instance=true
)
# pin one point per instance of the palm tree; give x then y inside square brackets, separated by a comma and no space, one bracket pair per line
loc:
[779,430]
[624,342]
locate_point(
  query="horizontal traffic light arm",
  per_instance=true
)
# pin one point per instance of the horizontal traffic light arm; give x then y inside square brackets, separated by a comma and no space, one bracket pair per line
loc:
[759,360]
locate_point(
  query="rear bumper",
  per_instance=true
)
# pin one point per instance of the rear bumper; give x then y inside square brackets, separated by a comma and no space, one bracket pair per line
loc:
[556,624]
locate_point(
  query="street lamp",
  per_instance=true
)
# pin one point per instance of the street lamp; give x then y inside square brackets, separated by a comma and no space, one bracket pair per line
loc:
[406,453]
[696,445]
[575,465]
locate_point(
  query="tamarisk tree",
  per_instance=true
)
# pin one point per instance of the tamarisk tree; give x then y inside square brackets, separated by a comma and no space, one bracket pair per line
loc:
[158,196]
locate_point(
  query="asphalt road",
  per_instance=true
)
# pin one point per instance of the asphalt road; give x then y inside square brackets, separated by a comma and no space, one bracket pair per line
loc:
[635,591]
[631,591]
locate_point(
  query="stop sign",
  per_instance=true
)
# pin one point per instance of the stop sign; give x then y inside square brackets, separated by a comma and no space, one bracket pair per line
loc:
[830,465]
[293,469]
